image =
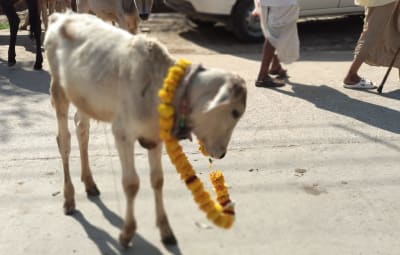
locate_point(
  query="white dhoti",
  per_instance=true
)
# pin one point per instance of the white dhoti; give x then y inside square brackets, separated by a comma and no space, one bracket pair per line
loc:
[279,25]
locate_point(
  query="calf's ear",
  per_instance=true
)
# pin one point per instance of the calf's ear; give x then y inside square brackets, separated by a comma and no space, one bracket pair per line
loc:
[225,95]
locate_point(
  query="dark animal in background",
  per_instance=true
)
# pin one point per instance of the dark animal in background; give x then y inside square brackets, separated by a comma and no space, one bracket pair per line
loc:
[35,28]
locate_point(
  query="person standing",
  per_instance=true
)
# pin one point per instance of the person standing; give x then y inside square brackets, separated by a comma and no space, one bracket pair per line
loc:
[278,20]
[378,41]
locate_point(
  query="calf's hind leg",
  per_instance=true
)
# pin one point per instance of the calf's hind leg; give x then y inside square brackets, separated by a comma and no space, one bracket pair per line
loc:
[61,105]
[157,181]
[82,124]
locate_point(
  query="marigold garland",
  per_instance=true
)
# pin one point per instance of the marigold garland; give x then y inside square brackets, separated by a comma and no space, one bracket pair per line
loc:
[221,213]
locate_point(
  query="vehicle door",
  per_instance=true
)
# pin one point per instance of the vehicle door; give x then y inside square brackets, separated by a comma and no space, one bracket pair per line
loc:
[318,4]
[346,3]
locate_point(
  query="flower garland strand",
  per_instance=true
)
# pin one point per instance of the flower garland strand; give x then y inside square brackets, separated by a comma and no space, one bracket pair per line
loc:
[221,213]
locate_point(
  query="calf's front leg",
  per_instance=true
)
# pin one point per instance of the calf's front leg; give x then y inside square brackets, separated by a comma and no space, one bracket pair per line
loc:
[130,181]
[61,105]
[157,181]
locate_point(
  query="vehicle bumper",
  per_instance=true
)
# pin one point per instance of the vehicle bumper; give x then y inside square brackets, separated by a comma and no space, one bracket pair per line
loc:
[187,8]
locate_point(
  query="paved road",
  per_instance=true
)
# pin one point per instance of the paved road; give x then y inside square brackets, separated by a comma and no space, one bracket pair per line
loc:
[313,167]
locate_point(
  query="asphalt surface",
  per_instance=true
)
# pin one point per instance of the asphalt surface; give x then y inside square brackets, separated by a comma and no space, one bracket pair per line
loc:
[312,167]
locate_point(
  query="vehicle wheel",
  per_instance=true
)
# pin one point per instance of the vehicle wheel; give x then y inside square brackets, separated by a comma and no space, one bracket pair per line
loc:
[202,23]
[245,26]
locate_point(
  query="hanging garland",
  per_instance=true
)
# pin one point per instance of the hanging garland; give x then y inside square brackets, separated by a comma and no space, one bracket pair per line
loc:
[221,213]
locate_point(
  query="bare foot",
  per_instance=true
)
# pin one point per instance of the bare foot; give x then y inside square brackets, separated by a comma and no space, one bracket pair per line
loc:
[352,79]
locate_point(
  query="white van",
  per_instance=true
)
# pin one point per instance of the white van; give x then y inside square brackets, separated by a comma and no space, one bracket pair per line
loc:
[236,14]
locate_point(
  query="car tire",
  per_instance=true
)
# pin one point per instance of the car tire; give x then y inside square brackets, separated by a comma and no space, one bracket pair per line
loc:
[245,26]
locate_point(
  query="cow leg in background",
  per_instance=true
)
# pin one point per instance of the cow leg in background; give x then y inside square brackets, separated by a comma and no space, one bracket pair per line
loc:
[13,20]
[73,5]
[36,30]
[43,11]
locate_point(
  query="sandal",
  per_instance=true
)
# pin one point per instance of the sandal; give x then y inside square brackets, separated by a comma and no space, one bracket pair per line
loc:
[362,84]
[269,82]
[280,73]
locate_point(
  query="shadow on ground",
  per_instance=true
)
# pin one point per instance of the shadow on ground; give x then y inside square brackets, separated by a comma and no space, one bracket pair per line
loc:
[330,99]
[328,34]
[23,40]
[22,80]
[21,89]
[109,245]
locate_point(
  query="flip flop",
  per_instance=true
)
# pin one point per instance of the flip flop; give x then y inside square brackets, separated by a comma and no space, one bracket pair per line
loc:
[362,84]
[269,82]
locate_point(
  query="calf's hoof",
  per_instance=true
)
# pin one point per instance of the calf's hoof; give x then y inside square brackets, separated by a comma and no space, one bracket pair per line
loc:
[167,236]
[127,234]
[124,240]
[69,208]
[93,191]
[169,240]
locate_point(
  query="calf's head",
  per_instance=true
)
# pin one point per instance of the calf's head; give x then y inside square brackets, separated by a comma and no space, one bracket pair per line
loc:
[218,100]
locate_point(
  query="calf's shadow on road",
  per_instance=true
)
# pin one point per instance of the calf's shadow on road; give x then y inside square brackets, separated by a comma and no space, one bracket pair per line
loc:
[330,99]
[109,245]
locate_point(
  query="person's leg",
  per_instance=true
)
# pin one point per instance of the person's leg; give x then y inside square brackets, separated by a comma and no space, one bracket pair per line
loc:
[277,69]
[263,79]
[275,65]
[375,19]
[268,54]
[352,76]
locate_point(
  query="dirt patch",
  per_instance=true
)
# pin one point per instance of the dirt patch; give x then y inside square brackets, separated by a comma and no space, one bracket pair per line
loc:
[314,189]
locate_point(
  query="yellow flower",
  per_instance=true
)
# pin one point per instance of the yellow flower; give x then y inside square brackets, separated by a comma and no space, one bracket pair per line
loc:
[207,206]
[221,220]
[195,185]
[222,199]
[202,197]
[165,110]
[166,123]
[165,134]
[177,71]
[183,63]
[227,221]
[165,96]
[213,214]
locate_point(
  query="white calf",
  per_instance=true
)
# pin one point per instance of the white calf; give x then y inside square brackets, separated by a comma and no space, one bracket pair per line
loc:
[113,76]
[123,12]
